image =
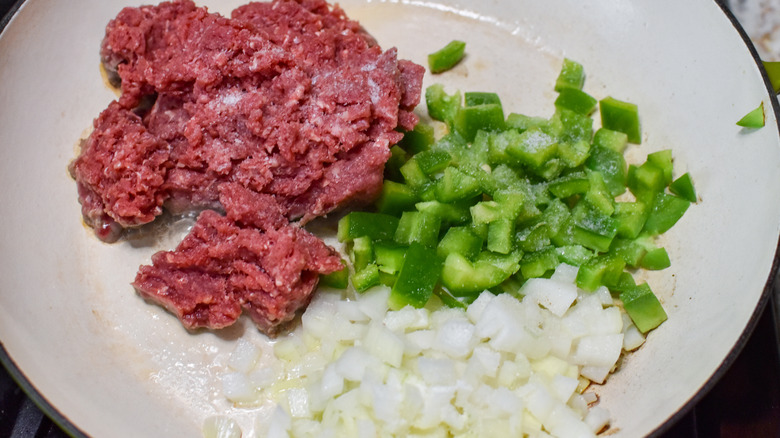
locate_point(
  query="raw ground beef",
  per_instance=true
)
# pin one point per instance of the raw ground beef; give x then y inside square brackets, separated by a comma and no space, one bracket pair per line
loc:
[251,259]
[284,111]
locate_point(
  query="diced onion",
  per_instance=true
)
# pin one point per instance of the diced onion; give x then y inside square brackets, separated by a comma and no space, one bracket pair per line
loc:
[506,366]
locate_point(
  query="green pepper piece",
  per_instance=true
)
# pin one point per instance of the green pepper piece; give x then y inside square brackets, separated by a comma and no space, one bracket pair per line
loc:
[414,175]
[656,259]
[611,165]
[624,283]
[389,257]
[572,75]
[464,278]
[418,140]
[645,181]
[621,116]
[393,165]
[376,226]
[574,255]
[498,142]
[461,240]
[416,226]
[417,278]
[643,307]
[598,195]
[603,270]
[631,251]
[573,154]
[442,106]
[433,161]
[362,253]
[500,236]
[614,140]
[474,98]
[555,214]
[536,264]
[574,126]
[533,148]
[366,278]
[470,119]
[521,122]
[592,229]
[576,100]
[455,185]
[662,160]
[753,119]
[450,214]
[395,198]
[683,187]
[569,185]
[631,218]
[666,211]
[446,57]
[338,279]
[534,237]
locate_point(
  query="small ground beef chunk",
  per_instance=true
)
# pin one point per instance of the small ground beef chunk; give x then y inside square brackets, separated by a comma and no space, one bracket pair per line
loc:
[221,268]
[120,173]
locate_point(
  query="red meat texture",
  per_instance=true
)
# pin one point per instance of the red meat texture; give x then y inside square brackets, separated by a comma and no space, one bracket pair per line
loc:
[284,111]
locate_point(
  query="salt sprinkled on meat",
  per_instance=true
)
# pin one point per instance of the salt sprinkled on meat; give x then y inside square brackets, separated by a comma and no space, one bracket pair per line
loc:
[287,105]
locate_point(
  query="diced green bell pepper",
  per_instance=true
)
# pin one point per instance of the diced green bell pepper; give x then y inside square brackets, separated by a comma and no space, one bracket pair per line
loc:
[366,278]
[376,226]
[389,257]
[630,218]
[501,236]
[461,240]
[662,160]
[666,211]
[614,140]
[450,214]
[418,140]
[603,270]
[442,106]
[753,119]
[643,307]
[395,198]
[433,161]
[591,228]
[611,165]
[568,185]
[338,279]
[417,279]
[473,98]
[683,187]
[455,185]
[533,148]
[416,226]
[536,264]
[470,119]
[621,116]
[574,255]
[576,100]
[572,75]
[362,252]
[446,57]
[414,175]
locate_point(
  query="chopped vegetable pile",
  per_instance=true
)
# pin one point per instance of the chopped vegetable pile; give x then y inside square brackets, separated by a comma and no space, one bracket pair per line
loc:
[502,367]
[500,200]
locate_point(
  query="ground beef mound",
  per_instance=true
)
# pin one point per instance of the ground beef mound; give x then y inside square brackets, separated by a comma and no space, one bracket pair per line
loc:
[284,111]
[251,259]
